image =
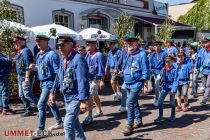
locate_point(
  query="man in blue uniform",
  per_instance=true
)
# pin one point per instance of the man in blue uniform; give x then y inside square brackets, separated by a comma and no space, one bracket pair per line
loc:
[47,64]
[198,64]
[72,80]
[136,72]
[5,67]
[169,85]
[157,62]
[205,65]
[113,66]
[24,58]
[96,64]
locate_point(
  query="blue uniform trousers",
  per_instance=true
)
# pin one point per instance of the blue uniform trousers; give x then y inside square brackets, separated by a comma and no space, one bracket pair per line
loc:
[4,92]
[71,121]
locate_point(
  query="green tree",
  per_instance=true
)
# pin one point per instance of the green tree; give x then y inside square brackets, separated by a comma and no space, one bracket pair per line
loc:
[198,16]
[7,32]
[165,30]
[122,27]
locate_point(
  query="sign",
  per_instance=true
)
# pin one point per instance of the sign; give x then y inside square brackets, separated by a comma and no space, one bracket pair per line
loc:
[161,8]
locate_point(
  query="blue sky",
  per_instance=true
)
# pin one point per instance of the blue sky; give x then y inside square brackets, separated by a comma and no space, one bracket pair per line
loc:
[175,1]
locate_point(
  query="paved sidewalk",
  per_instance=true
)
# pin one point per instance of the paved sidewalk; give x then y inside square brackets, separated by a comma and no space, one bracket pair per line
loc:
[192,125]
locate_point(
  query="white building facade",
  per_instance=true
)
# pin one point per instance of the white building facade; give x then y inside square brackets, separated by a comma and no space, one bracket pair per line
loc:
[80,14]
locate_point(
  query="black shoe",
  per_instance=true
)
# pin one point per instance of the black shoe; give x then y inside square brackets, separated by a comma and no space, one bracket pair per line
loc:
[159,120]
[195,96]
[203,103]
[27,114]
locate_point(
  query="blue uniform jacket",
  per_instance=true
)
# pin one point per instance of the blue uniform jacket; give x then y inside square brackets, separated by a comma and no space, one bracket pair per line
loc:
[113,60]
[5,65]
[172,51]
[73,81]
[169,80]
[192,62]
[136,70]
[206,63]
[184,72]
[157,62]
[187,51]
[96,65]
[23,60]
[48,65]
[200,58]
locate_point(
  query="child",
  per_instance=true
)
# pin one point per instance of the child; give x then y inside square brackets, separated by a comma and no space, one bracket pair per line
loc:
[184,69]
[169,85]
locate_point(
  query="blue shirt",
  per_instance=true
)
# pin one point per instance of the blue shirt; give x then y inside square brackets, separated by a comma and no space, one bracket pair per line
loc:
[157,62]
[206,63]
[113,60]
[184,73]
[192,61]
[5,65]
[187,51]
[48,65]
[96,65]
[135,70]
[172,51]
[169,80]
[73,81]
[23,60]
[200,58]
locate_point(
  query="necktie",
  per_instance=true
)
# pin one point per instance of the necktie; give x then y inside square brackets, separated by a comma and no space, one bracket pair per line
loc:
[65,63]
[41,52]
[167,69]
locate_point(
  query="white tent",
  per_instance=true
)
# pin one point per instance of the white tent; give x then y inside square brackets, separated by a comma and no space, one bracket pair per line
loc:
[60,30]
[94,33]
[17,26]
[14,24]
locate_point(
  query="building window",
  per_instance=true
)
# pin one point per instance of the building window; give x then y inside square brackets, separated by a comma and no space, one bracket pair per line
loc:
[94,21]
[98,22]
[62,20]
[18,13]
[63,17]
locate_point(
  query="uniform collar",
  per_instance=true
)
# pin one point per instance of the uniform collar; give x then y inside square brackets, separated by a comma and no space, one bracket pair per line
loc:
[71,53]
[136,51]
[21,50]
[42,52]
[95,51]
[115,49]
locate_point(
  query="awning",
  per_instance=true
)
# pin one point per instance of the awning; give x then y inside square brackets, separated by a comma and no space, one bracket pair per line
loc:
[159,21]
[113,13]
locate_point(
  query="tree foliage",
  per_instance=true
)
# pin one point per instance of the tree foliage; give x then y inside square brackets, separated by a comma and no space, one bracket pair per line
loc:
[165,31]
[7,32]
[122,27]
[198,16]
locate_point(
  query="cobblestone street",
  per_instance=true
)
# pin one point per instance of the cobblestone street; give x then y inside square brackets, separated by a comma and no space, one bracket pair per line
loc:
[192,125]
